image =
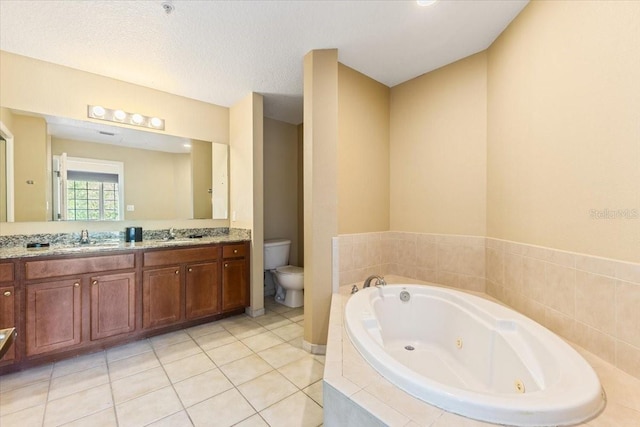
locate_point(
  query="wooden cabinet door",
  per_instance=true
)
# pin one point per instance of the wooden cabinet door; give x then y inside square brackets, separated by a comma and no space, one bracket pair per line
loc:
[112,305]
[53,316]
[161,297]
[202,290]
[7,317]
[235,292]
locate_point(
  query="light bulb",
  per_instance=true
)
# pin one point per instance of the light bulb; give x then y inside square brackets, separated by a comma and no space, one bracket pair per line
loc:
[137,119]
[156,122]
[119,115]
[98,111]
[425,2]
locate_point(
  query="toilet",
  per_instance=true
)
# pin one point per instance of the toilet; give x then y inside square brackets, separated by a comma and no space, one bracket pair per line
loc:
[289,279]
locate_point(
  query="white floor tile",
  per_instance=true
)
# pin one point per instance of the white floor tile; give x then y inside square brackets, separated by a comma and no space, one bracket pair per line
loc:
[297,410]
[223,410]
[148,408]
[201,387]
[266,390]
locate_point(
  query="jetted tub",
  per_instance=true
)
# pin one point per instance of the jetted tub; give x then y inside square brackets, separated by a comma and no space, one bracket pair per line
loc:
[471,356]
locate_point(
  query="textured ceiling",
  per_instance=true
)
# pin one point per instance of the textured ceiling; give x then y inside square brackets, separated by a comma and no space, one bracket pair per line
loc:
[219,51]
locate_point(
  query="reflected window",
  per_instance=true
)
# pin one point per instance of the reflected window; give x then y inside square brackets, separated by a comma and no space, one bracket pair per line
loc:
[87,189]
[92,197]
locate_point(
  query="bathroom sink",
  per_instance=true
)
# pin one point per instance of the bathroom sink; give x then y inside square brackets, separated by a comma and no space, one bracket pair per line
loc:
[89,246]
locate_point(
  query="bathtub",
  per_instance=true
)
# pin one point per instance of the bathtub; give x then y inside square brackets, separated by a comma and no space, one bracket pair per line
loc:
[472,357]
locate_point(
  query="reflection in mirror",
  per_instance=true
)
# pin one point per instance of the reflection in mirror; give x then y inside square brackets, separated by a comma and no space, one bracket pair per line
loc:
[75,170]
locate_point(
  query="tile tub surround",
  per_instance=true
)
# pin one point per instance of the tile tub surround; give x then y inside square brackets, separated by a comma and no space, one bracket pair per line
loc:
[356,395]
[592,301]
[456,261]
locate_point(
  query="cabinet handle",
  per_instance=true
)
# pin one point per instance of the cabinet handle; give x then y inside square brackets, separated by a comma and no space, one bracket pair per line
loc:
[177,271]
[95,282]
[7,294]
[75,285]
[226,265]
[190,269]
[235,251]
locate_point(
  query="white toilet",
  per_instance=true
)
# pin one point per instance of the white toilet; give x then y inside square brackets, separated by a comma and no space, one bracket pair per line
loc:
[289,279]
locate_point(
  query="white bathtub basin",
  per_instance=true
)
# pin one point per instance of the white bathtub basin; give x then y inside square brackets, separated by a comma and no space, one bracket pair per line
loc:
[472,357]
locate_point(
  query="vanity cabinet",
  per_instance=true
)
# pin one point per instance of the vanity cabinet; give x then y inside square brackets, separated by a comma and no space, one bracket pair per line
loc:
[202,292]
[7,306]
[54,315]
[66,305]
[235,277]
[113,298]
[184,288]
[73,301]
[161,296]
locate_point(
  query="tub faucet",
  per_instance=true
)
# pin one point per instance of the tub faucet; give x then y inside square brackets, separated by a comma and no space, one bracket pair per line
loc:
[379,281]
[84,236]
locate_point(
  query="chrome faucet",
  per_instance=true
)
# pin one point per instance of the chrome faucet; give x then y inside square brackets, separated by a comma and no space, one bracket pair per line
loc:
[379,281]
[84,236]
[172,234]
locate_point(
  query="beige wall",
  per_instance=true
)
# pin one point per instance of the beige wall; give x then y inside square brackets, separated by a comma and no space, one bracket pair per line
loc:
[363,153]
[246,185]
[30,165]
[37,86]
[563,128]
[281,181]
[320,190]
[300,131]
[144,170]
[202,178]
[438,150]
[6,117]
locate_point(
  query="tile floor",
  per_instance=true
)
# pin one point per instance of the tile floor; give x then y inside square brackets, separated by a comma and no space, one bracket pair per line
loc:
[237,371]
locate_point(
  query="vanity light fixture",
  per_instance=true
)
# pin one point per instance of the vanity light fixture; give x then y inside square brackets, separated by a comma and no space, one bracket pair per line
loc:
[120,116]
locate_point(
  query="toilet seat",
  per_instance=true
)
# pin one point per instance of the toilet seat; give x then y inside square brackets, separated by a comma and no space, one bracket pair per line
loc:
[290,269]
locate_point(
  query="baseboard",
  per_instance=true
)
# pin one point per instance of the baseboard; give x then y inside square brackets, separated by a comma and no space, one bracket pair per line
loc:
[254,313]
[314,348]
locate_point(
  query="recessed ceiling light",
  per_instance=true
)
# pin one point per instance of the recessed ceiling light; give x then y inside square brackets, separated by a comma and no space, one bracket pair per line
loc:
[425,2]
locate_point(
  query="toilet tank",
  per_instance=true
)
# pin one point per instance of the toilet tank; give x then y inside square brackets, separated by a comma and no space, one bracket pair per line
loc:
[276,253]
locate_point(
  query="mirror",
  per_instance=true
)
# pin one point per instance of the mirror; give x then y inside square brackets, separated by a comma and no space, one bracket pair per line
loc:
[66,169]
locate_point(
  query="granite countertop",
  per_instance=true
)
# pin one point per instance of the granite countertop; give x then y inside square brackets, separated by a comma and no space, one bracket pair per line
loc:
[116,245]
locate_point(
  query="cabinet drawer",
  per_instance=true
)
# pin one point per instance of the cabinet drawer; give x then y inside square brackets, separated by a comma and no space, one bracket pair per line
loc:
[66,267]
[233,251]
[6,272]
[180,256]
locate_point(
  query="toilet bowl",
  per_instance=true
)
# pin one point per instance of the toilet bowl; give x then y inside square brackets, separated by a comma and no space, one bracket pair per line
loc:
[289,279]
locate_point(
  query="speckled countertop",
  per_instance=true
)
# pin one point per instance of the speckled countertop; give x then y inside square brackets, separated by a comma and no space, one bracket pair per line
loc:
[15,246]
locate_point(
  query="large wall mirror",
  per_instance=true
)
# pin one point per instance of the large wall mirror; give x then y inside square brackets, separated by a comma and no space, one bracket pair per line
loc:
[59,169]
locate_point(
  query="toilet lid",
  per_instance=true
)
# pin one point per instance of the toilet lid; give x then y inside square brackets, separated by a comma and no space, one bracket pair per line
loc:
[290,269]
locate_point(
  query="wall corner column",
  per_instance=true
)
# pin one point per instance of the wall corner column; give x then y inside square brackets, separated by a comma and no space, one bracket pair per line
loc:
[320,191]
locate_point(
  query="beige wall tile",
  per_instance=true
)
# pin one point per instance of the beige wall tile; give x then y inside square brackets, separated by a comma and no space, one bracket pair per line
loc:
[628,358]
[628,312]
[595,298]
[598,343]
[560,288]
[495,265]
[513,271]
[533,279]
